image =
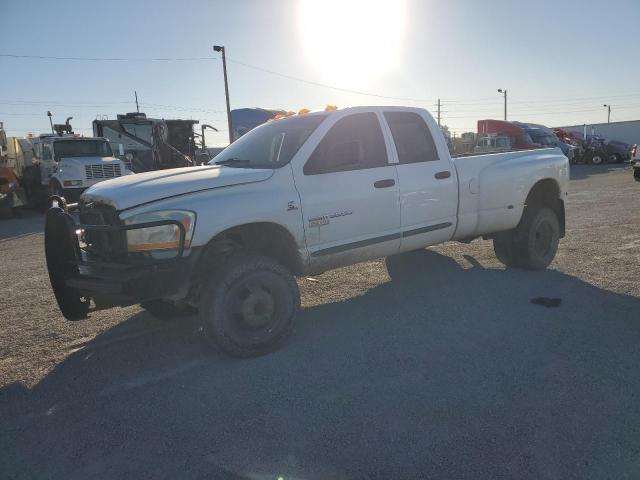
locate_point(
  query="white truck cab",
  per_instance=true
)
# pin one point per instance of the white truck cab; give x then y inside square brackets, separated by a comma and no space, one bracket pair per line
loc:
[66,165]
[293,197]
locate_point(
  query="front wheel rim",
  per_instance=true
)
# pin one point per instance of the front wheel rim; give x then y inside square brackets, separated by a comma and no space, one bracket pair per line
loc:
[256,310]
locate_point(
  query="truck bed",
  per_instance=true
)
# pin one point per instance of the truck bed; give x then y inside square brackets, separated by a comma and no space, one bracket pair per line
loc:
[493,187]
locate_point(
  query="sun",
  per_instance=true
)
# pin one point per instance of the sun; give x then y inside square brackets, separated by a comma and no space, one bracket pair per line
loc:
[348,40]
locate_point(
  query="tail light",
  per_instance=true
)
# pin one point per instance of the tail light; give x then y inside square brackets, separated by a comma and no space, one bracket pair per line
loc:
[634,150]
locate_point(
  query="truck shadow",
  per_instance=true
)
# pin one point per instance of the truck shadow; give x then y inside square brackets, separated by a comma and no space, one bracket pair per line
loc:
[26,222]
[580,172]
[443,372]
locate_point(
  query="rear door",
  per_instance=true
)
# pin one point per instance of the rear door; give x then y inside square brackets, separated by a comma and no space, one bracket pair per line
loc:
[427,180]
[349,193]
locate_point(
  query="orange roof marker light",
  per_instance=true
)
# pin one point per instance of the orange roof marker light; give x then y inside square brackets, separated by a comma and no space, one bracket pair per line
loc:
[330,108]
[302,111]
[289,113]
[279,116]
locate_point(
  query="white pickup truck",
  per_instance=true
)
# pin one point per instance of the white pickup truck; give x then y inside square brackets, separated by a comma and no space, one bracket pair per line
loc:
[294,197]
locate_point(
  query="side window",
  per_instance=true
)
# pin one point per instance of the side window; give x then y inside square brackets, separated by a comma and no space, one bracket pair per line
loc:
[353,143]
[412,137]
[46,151]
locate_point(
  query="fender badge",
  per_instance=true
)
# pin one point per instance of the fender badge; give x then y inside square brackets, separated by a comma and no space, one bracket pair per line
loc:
[292,206]
[319,221]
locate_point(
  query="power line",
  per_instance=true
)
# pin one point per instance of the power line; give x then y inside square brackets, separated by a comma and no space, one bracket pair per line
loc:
[471,101]
[566,100]
[325,85]
[176,107]
[107,59]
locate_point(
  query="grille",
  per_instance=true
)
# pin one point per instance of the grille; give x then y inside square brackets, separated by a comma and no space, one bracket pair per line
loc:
[108,170]
[102,245]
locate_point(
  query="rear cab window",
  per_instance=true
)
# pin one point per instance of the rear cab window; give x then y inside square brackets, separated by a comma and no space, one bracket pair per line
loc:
[412,138]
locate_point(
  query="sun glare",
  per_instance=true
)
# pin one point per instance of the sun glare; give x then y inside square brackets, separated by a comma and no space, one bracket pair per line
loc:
[346,40]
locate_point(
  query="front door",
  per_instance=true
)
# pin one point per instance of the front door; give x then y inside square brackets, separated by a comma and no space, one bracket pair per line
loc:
[349,194]
[427,179]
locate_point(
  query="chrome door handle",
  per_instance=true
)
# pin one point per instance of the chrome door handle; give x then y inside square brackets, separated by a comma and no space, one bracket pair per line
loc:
[442,175]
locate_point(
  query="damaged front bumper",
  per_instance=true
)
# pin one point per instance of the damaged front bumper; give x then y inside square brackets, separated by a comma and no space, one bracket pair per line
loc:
[83,283]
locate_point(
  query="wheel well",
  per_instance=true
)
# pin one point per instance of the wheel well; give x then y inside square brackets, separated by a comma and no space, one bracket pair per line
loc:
[265,238]
[547,193]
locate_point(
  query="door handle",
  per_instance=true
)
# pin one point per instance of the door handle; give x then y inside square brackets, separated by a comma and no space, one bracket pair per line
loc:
[443,175]
[389,182]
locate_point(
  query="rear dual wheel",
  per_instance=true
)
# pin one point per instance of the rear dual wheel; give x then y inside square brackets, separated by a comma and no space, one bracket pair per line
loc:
[534,242]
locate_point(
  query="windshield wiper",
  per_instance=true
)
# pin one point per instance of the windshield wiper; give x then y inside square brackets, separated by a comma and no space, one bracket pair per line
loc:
[232,160]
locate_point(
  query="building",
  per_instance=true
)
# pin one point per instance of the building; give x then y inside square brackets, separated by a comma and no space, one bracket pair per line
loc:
[627,132]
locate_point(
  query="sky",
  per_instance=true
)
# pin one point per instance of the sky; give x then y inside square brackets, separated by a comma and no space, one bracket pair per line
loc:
[560,60]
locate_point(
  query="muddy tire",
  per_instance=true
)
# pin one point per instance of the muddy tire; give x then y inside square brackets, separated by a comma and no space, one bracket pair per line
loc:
[535,240]
[504,249]
[248,308]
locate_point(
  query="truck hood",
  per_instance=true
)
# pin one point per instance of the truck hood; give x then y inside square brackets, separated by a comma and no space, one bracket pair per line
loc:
[133,190]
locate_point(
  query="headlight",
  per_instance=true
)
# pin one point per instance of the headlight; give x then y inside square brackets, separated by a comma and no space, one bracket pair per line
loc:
[72,183]
[163,237]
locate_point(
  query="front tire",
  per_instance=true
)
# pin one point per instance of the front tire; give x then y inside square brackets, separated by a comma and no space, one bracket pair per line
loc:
[597,159]
[248,308]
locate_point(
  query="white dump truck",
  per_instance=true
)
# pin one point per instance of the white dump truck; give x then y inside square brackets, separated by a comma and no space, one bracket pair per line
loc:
[295,197]
[66,165]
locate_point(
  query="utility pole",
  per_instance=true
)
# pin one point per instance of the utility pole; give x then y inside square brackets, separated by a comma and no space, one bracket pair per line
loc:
[438,112]
[505,101]
[221,49]
[137,107]
[608,107]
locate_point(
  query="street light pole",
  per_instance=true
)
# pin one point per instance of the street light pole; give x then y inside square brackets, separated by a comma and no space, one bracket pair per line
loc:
[221,49]
[608,107]
[505,102]
[50,121]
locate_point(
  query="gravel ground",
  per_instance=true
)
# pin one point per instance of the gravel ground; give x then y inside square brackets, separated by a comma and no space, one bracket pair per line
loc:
[445,370]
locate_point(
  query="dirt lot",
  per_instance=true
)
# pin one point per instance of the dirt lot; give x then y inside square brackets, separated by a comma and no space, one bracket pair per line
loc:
[445,371]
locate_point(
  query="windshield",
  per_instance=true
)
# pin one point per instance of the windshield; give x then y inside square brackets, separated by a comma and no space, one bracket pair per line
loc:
[271,145]
[542,137]
[81,148]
